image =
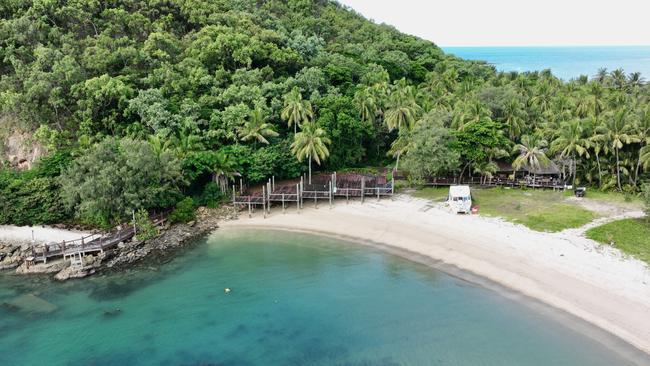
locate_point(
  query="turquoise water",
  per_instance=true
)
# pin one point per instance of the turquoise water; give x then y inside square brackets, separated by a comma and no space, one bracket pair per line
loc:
[565,62]
[296,299]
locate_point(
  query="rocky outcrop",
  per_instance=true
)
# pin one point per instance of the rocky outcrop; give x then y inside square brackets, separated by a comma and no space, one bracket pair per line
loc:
[174,236]
[10,256]
[171,237]
[52,266]
[21,151]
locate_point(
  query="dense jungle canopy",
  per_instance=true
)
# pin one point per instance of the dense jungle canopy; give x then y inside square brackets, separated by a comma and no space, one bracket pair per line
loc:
[142,103]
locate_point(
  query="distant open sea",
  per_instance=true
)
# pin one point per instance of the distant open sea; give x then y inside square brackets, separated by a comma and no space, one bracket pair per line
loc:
[565,62]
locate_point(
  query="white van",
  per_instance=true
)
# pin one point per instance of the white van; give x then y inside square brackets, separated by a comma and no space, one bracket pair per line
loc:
[460,199]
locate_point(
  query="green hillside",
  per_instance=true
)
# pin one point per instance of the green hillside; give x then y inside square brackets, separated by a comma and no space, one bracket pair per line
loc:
[140,103]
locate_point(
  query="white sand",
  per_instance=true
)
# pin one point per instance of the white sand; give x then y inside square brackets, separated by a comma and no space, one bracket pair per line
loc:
[42,234]
[564,270]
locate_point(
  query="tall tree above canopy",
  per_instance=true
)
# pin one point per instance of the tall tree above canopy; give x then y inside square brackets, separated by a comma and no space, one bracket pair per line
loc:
[311,143]
[296,111]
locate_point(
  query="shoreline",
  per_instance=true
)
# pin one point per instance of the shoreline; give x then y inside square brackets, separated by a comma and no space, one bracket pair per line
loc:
[609,294]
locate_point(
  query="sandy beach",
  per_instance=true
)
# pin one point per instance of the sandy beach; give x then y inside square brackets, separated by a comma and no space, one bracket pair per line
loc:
[564,270]
[40,234]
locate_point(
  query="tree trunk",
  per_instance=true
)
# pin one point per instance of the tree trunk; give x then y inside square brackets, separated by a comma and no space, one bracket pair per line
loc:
[600,173]
[636,171]
[295,128]
[309,169]
[618,171]
[397,162]
[575,168]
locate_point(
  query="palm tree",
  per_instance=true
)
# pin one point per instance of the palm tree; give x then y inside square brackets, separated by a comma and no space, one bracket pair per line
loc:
[367,104]
[402,107]
[615,132]
[597,141]
[642,133]
[311,143]
[531,153]
[513,113]
[400,146]
[158,144]
[256,128]
[601,75]
[296,110]
[223,170]
[571,142]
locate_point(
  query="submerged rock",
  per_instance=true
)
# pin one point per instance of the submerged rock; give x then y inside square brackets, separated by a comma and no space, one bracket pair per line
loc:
[32,304]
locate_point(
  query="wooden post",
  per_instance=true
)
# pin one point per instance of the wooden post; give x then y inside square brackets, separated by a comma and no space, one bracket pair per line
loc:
[273,180]
[302,191]
[264,200]
[363,188]
[330,194]
[250,210]
[392,184]
[241,186]
[233,195]
[44,253]
[63,248]
[283,203]
[135,231]
[268,196]
[298,197]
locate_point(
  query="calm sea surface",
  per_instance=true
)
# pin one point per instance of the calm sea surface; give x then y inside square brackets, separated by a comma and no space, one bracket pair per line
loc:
[296,300]
[565,62]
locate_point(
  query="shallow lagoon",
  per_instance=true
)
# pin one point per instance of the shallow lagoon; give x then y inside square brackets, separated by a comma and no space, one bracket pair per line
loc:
[296,299]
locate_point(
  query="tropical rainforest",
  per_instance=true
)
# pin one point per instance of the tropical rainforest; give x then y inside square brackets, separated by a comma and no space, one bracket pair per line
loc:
[143,104]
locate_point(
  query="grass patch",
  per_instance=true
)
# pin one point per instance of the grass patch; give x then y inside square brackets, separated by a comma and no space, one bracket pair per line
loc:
[438,194]
[537,209]
[632,236]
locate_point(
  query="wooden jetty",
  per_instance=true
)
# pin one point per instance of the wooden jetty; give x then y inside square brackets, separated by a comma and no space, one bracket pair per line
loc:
[321,187]
[91,244]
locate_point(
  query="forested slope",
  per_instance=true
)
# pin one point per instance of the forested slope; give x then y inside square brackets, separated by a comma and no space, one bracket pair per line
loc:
[141,103]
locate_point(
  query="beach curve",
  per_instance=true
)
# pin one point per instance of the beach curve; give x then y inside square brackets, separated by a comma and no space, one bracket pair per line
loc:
[562,270]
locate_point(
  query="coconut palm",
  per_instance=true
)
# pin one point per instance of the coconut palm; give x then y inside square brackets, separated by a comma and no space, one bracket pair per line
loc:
[402,110]
[642,133]
[597,142]
[616,132]
[296,110]
[311,143]
[256,128]
[571,142]
[400,146]
[367,104]
[531,152]
[223,170]
[513,116]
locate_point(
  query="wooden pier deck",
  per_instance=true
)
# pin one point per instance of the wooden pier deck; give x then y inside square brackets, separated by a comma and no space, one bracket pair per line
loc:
[90,244]
[321,187]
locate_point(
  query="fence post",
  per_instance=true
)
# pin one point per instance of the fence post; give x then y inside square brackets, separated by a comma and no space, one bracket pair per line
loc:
[241,186]
[264,200]
[298,197]
[302,191]
[273,186]
[392,185]
[250,211]
[330,192]
[233,195]
[363,188]
[282,202]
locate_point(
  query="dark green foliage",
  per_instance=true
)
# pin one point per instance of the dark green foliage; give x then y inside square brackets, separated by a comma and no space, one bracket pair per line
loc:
[350,136]
[145,228]
[431,152]
[116,177]
[210,196]
[183,211]
[33,197]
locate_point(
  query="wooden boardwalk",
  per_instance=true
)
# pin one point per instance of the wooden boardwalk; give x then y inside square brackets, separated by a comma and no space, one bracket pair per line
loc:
[321,187]
[91,244]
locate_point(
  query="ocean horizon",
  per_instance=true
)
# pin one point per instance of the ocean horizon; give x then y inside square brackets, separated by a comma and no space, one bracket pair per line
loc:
[566,62]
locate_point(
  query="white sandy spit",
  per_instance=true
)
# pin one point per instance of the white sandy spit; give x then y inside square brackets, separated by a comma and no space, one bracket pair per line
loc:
[564,270]
[41,234]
